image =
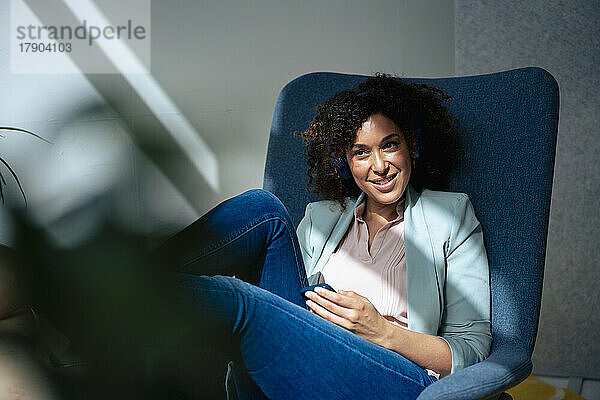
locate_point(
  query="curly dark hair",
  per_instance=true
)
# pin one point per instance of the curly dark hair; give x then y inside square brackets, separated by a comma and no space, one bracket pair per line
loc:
[333,131]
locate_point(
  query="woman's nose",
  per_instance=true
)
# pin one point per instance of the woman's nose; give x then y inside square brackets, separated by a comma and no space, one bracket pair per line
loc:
[379,164]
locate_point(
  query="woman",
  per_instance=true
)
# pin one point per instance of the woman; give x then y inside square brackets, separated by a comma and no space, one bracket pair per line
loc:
[408,263]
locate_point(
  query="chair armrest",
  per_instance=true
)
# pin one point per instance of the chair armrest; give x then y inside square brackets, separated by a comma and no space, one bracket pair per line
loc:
[503,369]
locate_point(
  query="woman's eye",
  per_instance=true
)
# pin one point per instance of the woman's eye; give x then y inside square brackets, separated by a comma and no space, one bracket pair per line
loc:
[359,153]
[390,145]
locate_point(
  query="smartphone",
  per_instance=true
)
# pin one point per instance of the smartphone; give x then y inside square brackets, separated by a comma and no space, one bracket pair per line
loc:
[312,287]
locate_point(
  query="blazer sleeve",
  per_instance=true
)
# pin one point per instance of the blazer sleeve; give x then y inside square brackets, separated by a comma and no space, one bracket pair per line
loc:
[466,325]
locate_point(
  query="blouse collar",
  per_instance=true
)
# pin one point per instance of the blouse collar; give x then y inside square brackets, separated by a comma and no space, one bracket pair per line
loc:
[362,201]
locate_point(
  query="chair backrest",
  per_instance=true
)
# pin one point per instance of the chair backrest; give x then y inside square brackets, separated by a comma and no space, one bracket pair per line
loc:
[510,123]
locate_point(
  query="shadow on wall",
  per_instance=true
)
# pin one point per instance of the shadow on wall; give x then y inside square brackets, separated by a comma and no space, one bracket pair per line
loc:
[160,131]
[95,155]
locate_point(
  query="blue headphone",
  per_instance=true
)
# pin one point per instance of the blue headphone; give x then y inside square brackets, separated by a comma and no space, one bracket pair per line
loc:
[342,167]
[341,164]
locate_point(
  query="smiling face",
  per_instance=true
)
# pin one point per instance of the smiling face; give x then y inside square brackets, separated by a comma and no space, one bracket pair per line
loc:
[380,161]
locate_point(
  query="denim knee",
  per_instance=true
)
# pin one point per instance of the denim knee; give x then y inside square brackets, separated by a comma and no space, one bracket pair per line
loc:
[263,201]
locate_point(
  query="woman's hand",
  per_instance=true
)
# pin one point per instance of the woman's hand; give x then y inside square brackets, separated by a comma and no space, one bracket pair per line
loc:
[351,311]
[356,313]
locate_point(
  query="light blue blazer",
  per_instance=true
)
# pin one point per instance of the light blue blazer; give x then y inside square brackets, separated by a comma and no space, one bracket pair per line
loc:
[448,289]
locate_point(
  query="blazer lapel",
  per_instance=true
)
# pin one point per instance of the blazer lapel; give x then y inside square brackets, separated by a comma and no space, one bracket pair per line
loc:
[337,232]
[422,297]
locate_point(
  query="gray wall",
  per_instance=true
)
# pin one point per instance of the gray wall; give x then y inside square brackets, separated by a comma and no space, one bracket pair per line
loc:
[223,64]
[562,37]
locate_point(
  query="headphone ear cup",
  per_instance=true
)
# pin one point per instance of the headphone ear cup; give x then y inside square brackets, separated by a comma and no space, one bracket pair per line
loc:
[342,167]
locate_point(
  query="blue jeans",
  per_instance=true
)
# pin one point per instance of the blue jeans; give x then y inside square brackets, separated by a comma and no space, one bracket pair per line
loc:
[281,349]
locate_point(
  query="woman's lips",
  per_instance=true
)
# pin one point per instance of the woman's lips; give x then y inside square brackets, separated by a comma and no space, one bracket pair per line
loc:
[385,183]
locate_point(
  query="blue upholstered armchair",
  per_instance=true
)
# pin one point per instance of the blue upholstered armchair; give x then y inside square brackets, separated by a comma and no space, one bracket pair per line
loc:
[510,123]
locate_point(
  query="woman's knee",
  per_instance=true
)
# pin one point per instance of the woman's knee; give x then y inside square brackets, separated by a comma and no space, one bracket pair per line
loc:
[263,202]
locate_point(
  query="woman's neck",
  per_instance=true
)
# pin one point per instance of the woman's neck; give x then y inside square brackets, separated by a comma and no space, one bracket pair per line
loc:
[377,211]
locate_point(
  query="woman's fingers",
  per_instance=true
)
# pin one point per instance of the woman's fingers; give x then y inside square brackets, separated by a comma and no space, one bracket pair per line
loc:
[325,303]
[337,298]
[328,315]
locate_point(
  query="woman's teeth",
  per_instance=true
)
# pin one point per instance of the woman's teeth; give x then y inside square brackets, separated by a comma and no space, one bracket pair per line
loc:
[384,181]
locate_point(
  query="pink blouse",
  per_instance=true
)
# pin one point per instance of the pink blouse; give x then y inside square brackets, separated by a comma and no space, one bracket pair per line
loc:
[379,274]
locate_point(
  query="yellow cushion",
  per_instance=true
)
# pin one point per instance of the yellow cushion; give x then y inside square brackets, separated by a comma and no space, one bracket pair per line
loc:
[534,388]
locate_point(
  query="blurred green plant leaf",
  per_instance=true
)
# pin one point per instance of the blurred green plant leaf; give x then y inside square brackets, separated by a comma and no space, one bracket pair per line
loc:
[12,172]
